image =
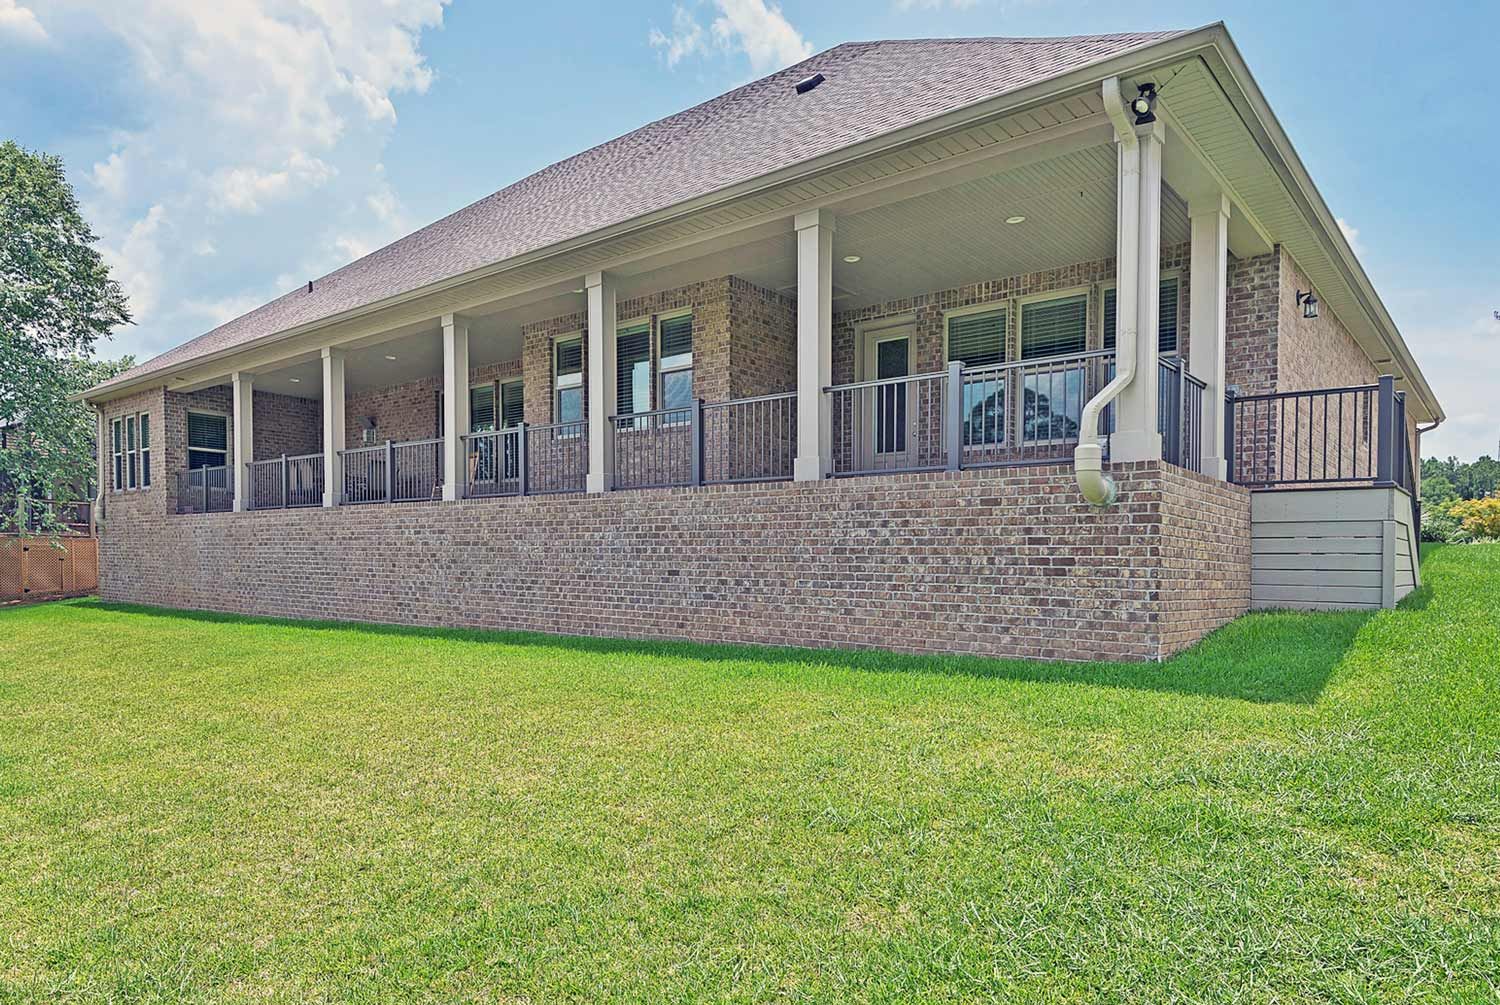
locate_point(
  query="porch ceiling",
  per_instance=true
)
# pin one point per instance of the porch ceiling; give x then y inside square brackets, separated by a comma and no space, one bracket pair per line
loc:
[948,238]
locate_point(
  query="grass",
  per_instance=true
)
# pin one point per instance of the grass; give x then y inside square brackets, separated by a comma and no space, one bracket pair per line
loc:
[214,809]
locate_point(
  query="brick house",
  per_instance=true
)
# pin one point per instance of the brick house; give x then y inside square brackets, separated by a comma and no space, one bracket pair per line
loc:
[961,345]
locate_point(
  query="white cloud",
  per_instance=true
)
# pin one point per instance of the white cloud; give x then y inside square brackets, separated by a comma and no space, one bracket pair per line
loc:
[216,312]
[109,176]
[136,262]
[753,27]
[247,189]
[264,123]
[686,39]
[20,23]
[1456,338]
[1351,234]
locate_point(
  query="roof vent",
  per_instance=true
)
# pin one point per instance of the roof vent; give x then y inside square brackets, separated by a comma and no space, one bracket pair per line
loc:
[808,83]
[309,286]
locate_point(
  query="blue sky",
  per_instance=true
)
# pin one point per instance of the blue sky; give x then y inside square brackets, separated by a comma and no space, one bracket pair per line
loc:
[228,152]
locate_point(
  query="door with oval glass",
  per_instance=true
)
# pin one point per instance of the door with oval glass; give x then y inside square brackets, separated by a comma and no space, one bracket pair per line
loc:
[885,440]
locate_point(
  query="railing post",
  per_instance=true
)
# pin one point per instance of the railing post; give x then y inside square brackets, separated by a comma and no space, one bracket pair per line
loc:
[390,471]
[204,473]
[953,418]
[1385,438]
[286,485]
[1229,450]
[697,475]
[1182,415]
[521,473]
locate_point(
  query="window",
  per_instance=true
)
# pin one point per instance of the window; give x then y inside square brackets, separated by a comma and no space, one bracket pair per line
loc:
[145,433]
[208,440]
[1052,395]
[633,369]
[482,408]
[1166,326]
[567,379]
[675,337]
[512,403]
[978,340]
[117,439]
[130,454]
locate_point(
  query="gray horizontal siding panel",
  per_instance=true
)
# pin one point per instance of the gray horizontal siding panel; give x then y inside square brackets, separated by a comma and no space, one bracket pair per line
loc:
[1291,560]
[1313,577]
[1316,546]
[1333,596]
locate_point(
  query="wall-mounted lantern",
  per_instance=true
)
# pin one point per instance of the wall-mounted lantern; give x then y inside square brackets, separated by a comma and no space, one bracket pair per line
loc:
[1309,304]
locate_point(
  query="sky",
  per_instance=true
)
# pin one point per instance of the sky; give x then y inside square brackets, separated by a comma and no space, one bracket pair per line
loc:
[227,152]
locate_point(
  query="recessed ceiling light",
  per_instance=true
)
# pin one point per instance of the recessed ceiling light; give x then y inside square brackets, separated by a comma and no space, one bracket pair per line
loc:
[578,291]
[1015,219]
[851,259]
[296,380]
[389,357]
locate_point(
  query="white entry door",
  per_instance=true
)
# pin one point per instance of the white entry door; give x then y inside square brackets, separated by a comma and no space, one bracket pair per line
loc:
[885,438]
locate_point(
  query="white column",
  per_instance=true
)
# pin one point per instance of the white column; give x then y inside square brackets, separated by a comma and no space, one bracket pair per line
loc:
[601,376]
[1207,306]
[244,437]
[333,426]
[1137,437]
[814,343]
[455,402]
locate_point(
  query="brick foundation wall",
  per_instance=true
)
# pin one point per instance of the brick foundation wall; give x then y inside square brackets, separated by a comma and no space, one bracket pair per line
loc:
[1205,556]
[1003,563]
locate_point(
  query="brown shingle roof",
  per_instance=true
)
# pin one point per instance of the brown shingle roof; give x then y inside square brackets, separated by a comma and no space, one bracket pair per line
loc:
[872,88]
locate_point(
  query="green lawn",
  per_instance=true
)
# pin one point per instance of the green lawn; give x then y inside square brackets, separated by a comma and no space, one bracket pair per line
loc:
[200,808]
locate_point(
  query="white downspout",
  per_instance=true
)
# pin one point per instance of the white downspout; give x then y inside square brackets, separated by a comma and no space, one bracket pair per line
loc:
[1088,457]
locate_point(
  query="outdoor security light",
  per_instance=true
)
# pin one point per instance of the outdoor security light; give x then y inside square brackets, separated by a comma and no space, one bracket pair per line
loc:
[1309,304]
[1141,106]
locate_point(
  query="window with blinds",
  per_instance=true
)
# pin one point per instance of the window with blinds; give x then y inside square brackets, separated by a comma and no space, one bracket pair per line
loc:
[977,339]
[567,380]
[633,370]
[145,447]
[1054,327]
[482,408]
[512,403]
[208,440]
[1166,326]
[675,342]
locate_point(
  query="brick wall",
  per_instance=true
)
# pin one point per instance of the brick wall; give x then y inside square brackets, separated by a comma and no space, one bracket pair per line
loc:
[285,424]
[1005,563]
[406,411]
[1205,556]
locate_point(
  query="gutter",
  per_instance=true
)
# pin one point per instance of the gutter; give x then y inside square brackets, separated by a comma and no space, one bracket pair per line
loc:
[1088,457]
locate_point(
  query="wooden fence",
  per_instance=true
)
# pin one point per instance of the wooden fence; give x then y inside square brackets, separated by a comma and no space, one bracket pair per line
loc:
[32,568]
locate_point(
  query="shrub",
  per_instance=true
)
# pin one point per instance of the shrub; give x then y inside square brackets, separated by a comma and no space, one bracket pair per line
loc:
[1480,517]
[1443,527]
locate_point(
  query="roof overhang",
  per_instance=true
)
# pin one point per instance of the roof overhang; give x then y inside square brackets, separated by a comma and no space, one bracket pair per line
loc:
[719,215]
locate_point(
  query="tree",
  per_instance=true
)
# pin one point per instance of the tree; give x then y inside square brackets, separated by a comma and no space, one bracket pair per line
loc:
[56,301]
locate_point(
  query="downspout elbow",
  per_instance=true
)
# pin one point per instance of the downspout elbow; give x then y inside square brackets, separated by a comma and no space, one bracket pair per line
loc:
[1088,469]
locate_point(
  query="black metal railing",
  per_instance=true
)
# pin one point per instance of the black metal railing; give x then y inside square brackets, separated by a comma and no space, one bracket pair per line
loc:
[1319,437]
[73,518]
[393,472]
[749,439]
[1179,414]
[285,482]
[1026,412]
[657,449]
[205,490]
[526,459]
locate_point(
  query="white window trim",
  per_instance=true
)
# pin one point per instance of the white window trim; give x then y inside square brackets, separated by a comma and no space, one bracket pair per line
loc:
[188,448]
[143,451]
[1019,406]
[117,453]
[662,369]
[1005,305]
[573,380]
[132,452]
